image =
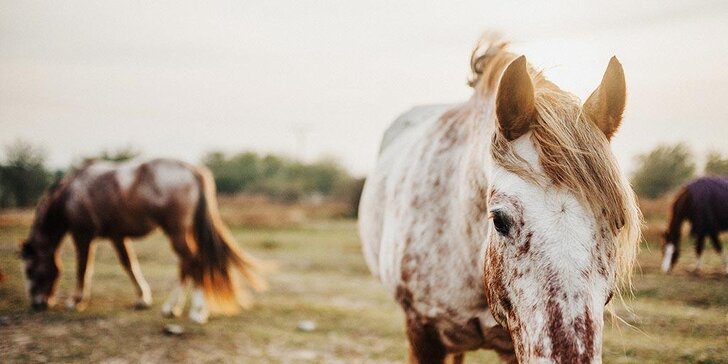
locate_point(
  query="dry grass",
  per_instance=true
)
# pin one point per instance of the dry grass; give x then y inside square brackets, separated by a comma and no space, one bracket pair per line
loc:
[245,210]
[322,277]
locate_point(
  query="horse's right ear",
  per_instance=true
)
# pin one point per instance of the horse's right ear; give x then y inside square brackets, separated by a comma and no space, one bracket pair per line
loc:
[515,105]
[606,104]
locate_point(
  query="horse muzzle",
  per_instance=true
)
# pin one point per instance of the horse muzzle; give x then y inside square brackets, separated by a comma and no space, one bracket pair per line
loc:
[39,303]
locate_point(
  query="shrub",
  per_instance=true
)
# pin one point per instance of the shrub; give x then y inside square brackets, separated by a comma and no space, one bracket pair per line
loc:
[663,169]
[716,165]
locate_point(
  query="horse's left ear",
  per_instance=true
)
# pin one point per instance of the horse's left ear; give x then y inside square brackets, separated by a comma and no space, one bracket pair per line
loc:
[514,103]
[606,104]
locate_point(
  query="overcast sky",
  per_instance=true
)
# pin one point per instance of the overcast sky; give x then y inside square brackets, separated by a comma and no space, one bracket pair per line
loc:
[180,78]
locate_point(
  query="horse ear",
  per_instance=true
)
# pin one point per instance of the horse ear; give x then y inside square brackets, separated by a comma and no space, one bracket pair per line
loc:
[514,104]
[606,104]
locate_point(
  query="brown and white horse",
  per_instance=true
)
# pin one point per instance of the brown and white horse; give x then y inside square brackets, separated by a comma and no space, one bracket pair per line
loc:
[130,200]
[503,222]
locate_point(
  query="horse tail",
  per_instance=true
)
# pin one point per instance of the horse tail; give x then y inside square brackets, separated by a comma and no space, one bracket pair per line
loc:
[219,255]
[678,214]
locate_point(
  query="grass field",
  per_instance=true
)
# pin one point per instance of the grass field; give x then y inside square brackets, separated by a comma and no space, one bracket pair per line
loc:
[322,277]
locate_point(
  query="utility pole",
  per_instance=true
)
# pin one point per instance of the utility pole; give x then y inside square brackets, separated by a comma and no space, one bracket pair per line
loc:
[301,132]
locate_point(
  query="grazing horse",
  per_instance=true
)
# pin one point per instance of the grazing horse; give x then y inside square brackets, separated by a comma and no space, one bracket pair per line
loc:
[503,222]
[130,200]
[703,202]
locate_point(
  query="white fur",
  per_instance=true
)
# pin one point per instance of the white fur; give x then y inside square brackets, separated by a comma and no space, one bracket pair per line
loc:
[667,257]
[175,304]
[199,312]
[563,229]
[126,174]
[386,221]
[145,298]
[698,262]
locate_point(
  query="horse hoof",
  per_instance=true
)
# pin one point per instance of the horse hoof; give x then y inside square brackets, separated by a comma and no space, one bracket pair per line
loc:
[76,304]
[171,312]
[39,306]
[199,317]
[142,304]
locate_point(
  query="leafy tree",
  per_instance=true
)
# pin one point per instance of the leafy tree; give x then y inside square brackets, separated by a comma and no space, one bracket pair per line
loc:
[663,169]
[716,164]
[23,175]
[277,177]
[118,155]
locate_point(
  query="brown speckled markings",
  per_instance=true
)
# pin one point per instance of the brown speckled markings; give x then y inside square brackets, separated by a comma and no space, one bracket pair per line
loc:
[434,267]
[481,218]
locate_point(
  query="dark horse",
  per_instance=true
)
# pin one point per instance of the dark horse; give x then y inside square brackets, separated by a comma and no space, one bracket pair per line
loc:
[703,202]
[117,201]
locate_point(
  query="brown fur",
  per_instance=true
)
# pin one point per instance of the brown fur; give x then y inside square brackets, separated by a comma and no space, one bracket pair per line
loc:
[678,214]
[102,208]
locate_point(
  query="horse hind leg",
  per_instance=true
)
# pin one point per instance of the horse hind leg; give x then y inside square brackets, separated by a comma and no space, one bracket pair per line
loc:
[715,240]
[199,310]
[699,247]
[127,257]
[175,304]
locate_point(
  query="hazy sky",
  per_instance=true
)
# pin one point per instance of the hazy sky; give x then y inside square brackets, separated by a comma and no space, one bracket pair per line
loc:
[181,78]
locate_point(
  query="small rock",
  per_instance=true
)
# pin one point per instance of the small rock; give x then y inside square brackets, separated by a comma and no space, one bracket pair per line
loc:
[4,321]
[306,326]
[173,330]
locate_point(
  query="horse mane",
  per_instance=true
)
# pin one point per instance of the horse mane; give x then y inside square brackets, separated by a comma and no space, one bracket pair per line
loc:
[49,214]
[573,152]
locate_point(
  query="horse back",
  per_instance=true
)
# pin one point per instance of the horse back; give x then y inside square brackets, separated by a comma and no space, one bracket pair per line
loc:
[708,205]
[131,198]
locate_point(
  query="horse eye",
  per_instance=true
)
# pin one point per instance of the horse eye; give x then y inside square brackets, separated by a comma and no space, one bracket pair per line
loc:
[501,222]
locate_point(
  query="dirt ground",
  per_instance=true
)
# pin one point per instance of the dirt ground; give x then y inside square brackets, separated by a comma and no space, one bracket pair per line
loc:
[321,277]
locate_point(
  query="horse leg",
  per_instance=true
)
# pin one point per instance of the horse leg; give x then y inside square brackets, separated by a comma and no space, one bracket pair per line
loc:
[199,310]
[425,346]
[127,257]
[456,358]
[85,249]
[715,240]
[174,305]
[699,247]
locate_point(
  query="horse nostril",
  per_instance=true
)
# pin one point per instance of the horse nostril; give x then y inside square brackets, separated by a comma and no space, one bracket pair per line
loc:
[39,306]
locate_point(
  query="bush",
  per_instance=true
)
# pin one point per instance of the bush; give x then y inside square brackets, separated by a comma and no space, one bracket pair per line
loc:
[277,177]
[716,165]
[23,175]
[663,169]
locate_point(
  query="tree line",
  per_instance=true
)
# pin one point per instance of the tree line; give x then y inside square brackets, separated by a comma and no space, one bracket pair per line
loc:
[24,174]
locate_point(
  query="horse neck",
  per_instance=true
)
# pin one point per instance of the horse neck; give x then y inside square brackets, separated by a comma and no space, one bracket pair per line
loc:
[679,214]
[481,124]
[473,202]
[51,222]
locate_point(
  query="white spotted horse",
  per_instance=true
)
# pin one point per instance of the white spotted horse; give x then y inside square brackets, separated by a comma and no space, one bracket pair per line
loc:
[131,199]
[504,222]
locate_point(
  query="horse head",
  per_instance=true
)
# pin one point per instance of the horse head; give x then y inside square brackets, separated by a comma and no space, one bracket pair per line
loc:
[564,222]
[41,270]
